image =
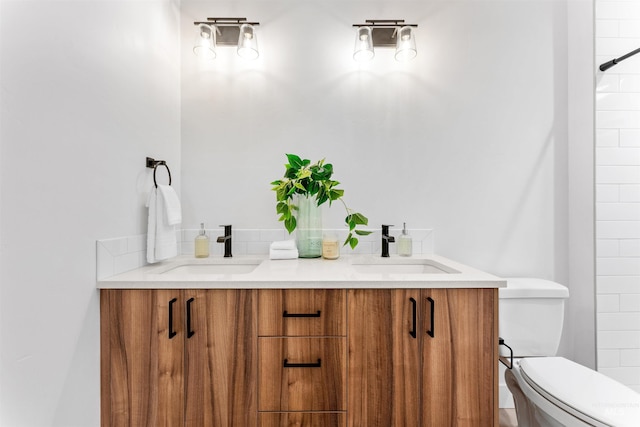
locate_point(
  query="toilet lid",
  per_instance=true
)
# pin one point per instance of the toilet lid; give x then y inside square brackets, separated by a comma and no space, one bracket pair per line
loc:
[583,391]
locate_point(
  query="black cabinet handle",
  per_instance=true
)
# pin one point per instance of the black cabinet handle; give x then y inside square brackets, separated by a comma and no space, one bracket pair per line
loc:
[172,333]
[286,364]
[431,331]
[287,314]
[412,332]
[503,359]
[189,331]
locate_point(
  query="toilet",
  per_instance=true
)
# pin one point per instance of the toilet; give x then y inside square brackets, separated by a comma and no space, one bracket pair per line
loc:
[550,391]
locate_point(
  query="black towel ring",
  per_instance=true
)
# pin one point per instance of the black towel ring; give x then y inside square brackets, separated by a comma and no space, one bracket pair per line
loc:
[156,168]
[152,163]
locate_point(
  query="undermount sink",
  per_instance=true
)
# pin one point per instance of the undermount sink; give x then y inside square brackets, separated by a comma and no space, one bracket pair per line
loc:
[220,268]
[401,266]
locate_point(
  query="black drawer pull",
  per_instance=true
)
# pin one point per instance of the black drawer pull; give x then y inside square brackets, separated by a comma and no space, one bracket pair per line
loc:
[190,332]
[431,331]
[286,364]
[172,333]
[412,332]
[287,314]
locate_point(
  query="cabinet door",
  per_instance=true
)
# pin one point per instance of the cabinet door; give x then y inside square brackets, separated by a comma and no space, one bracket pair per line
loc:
[384,362]
[221,358]
[459,382]
[142,365]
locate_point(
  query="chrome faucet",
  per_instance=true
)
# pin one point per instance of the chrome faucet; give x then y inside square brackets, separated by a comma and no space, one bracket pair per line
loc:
[386,239]
[226,239]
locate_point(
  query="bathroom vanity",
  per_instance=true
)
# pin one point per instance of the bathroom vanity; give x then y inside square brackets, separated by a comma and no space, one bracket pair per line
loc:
[359,341]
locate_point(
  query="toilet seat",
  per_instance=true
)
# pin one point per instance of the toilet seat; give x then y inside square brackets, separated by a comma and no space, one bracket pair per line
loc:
[586,394]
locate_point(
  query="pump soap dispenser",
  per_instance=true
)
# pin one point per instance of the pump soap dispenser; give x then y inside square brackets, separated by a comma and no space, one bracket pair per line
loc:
[202,243]
[404,242]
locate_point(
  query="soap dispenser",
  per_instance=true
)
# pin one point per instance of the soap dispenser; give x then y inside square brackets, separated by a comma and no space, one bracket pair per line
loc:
[202,243]
[404,242]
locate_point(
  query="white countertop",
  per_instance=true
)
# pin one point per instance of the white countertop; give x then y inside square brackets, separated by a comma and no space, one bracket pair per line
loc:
[349,271]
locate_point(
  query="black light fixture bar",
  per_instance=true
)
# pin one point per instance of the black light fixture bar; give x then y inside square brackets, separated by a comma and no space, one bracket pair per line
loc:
[607,65]
[384,23]
[383,31]
[228,29]
[226,22]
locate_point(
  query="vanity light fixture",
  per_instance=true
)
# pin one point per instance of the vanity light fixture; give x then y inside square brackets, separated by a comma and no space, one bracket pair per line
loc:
[385,33]
[205,43]
[226,32]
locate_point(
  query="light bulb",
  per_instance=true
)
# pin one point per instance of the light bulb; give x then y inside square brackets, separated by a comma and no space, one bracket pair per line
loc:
[205,44]
[363,50]
[405,44]
[247,42]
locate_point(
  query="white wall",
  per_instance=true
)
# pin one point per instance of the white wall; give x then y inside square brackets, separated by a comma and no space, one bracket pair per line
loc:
[89,89]
[580,332]
[470,139]
[464,139]
[473,138]
[618,191]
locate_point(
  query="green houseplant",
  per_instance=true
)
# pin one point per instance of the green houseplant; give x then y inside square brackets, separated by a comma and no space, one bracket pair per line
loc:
[313,180]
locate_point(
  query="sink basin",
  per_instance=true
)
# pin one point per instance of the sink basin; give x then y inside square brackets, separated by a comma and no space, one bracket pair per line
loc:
[212,269]
[401,266]
[218,267]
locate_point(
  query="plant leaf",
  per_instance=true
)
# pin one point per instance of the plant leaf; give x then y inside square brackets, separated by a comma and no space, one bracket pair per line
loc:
[281,193]
[353,242]
[303,173]
[358,218]
[363,232]
[335,194]
[294,161]
[290,224]
[347,239]
[282,208]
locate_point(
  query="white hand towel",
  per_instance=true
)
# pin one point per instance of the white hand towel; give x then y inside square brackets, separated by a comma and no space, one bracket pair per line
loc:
[284,244]
[161,238]
[171,205]
[283,253]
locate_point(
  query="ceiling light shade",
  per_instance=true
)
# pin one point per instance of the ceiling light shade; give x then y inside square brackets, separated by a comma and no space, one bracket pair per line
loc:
[363,50]
[247,42]
[205,43]
[405,44]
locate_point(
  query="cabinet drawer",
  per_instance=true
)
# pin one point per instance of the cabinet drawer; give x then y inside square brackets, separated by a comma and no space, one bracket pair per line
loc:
[302,312]
[301,374]
[302,419]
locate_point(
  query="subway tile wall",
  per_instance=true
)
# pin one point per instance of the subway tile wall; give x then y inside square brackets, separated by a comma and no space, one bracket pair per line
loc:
[618,191]
[118,255]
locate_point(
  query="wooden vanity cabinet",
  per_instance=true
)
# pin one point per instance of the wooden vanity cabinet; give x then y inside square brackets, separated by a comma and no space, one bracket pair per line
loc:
[196,369]
[299,357]
[445,375]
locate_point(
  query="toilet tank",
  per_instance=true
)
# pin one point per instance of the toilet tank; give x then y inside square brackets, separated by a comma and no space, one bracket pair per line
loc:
[531,316]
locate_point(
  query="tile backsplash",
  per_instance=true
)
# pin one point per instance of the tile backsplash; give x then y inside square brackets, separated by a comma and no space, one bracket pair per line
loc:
[118,255]
[617,165]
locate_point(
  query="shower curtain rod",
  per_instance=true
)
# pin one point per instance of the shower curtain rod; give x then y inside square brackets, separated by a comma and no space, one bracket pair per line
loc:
[607,65]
